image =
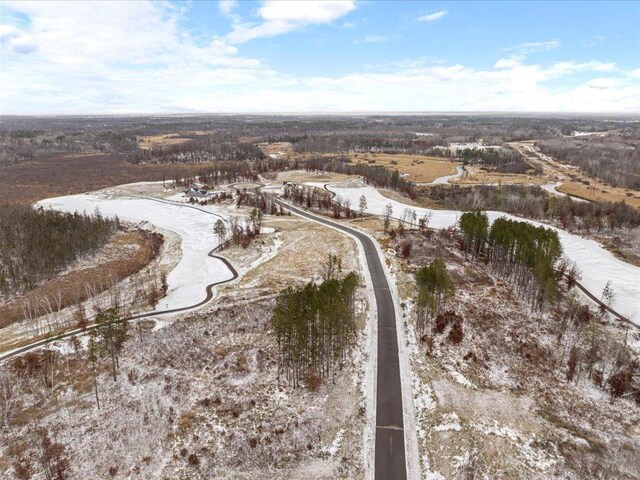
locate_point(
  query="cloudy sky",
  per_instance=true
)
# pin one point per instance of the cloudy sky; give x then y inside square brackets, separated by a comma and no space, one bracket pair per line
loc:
[308,56]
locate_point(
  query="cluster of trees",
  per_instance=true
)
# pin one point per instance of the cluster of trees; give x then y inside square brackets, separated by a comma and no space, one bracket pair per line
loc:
[318,199]
[376,175]
[503,160]
[517,250]
[230,171]
[315,327]
[612,158]
[435,289]
[259,200]
[35,243]
[534,202]
[311,198]
[475,232]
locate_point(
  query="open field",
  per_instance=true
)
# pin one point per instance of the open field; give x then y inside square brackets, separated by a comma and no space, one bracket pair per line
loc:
[277,149]
[600,192]
[162,140]
[419,168]
[68,174]
[478,175]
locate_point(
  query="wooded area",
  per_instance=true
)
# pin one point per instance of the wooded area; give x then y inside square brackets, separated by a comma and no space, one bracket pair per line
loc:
[533,202]
[522,252]
[614,158]
[315,328]
[35,243]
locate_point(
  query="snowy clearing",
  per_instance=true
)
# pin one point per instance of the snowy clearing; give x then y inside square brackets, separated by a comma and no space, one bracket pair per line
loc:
[597,265]
[195,270]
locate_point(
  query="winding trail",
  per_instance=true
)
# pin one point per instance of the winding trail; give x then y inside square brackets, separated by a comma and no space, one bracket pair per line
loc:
[390,458]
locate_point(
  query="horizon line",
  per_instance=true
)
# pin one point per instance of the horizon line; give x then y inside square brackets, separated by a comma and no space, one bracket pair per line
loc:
[333,113]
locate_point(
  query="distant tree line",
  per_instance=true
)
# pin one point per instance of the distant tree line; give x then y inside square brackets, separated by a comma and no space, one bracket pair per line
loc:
[35,243]
[18,146]
[614,159]
[200,151]
[375,175]
[533,202]
[315,328]
[390,142]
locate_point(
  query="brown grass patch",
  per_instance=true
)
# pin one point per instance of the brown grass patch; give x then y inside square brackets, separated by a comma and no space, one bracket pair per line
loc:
[420,168]
[611,194]
[478,175]
[72,285]
[162,140]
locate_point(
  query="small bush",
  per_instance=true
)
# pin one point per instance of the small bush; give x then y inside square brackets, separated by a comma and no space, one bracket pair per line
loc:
[456,333]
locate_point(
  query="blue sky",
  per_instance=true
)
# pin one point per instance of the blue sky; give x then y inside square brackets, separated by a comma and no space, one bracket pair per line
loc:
[270,56]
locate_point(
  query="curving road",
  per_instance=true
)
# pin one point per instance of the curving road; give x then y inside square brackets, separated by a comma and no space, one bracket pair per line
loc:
[390,462]
[80,331]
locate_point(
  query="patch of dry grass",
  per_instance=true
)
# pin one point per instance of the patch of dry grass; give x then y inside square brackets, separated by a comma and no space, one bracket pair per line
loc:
[419,168]
[478,175]
[598,191]
[162,140]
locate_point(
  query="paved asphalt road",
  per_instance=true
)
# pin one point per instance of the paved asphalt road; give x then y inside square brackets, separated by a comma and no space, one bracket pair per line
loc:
[390,463]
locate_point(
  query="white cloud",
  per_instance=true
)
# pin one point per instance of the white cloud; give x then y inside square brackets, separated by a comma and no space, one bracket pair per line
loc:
[280,17]
[17,40]
[142,61]
[432,17]
[227,6]
[373,39]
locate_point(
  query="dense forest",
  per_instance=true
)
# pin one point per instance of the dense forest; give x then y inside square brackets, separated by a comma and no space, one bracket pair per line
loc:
[315,327]
[208,149]
[388,142]
[35,243]
[533,202]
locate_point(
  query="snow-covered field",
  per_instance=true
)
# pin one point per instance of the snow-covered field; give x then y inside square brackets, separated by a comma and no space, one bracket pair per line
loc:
[597,265]
[195,270]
